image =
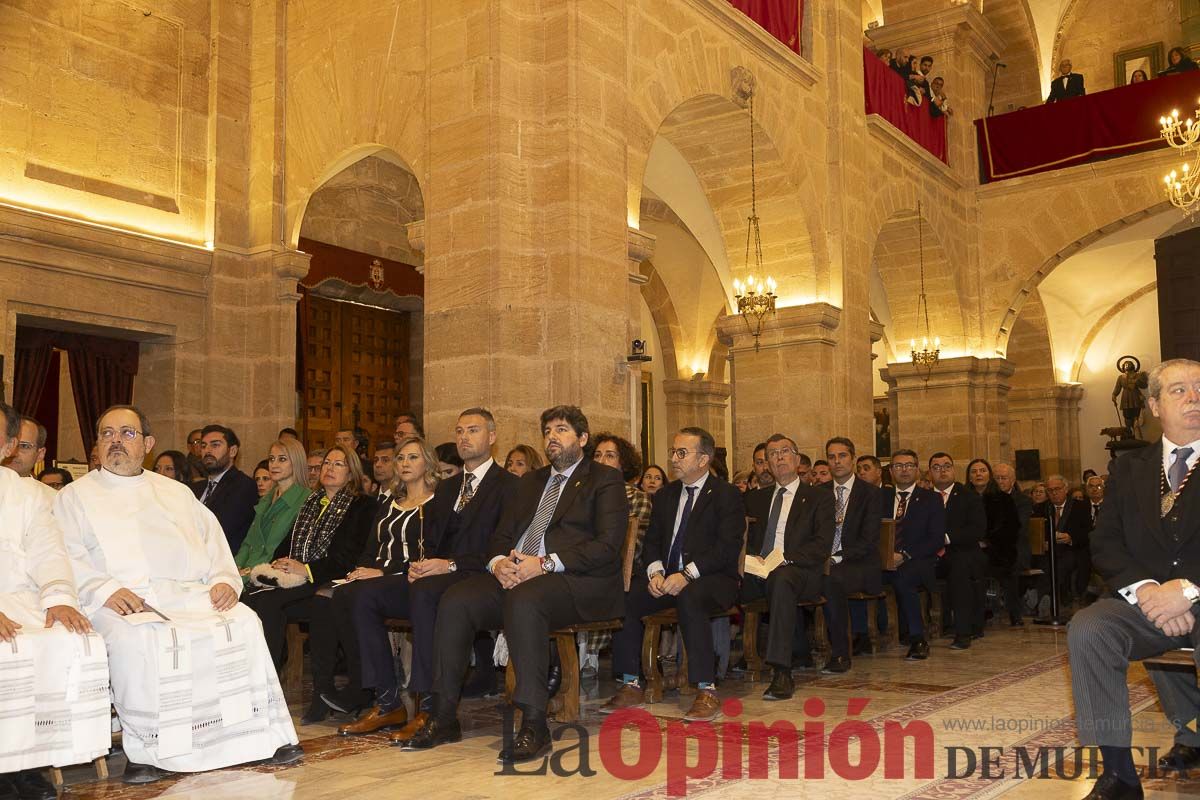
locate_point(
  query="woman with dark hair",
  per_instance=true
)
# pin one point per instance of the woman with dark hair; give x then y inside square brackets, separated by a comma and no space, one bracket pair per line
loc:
[1178,61]
[174,464]
[523,459]
[1138,76]
[326,540]
[653,479]
[449,462]
[262,479]
[1000,541]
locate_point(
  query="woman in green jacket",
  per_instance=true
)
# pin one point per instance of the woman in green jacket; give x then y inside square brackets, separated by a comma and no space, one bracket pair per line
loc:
[269,534]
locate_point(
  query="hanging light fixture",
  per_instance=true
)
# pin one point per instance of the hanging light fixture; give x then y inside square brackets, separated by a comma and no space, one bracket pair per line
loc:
[756,297]
[925,358]
[1183,185]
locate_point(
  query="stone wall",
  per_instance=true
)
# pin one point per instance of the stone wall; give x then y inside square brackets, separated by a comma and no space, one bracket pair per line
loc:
[1098,29]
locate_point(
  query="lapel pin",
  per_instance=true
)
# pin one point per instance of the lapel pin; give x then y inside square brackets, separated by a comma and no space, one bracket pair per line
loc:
[578,484]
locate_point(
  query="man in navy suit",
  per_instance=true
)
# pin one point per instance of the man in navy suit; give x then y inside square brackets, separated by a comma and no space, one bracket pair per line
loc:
[227,491]
[963,562]
[693,544]
[920,531]
[1066,83]
[855,566]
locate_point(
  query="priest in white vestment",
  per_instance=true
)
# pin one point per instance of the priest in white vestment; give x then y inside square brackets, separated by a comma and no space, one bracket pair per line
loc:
[54,708]
[192,679]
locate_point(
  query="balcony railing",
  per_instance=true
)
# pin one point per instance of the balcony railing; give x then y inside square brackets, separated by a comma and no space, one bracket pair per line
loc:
[885,91]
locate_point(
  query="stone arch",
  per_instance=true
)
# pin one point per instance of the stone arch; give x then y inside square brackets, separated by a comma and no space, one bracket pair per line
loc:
[682,80]
[1021,83]
[1048,265]
[662,311]
[343,161]
[1107,317]
[1031,353]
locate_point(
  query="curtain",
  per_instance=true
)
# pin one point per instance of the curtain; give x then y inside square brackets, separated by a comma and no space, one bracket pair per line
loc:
[885,92]
[102,372]
[35,350]
[780,18]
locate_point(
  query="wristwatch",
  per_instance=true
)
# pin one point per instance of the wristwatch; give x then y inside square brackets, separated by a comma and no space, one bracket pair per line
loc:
[548,564]
[452,565]
[1191,591]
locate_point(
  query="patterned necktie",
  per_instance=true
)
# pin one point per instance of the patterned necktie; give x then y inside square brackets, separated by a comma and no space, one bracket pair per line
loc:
[1057,516]
[840,513]
[1179,469]
[902,506]
[1095,511]
[772,523]
[675,557]
[208,493]
[531,542]
[468,491]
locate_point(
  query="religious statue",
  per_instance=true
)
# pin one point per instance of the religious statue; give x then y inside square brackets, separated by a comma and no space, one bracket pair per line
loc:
[1127,395]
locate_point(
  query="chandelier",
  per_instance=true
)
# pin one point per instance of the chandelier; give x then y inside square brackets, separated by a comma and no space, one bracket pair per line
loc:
[926,358]
[1183,188]
[755,298]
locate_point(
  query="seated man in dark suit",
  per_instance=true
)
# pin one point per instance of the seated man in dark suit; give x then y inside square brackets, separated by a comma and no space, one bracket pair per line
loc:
[1146,546]
[555,560]
[1006,479]
[227,491]
[1066,83]
[964,562]
[920,530]
[693,544]
[797,520]
[855,566]
[472,504]
[1071,521]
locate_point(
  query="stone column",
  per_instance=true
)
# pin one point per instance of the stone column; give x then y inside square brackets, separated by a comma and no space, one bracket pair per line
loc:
[698,402]
[788,384]
[960,407]
[639,247]
[525,221]
[1047,420]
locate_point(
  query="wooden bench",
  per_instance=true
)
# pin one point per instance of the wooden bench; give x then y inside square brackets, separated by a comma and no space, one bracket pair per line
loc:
[1037,544]
[293,669]
[887,547]
[564,706]
[756,668]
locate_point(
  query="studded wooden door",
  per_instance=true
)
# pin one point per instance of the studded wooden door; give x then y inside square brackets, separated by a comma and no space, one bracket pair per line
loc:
[356,360]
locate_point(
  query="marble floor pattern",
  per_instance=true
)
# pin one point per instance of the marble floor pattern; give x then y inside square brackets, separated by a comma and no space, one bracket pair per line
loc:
[1010,690]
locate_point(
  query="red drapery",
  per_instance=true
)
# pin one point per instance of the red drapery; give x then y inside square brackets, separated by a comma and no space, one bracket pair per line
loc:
[885,92]
[780,18]
[1082,129]
[102,372]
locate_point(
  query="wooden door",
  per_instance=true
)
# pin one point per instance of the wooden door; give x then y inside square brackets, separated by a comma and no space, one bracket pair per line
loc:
[356,360]
[1177,260]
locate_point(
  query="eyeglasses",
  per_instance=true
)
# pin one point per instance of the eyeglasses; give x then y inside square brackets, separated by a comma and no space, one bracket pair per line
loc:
[903,465]
[195,441]
[941,467]
[781,452]
[26,447]
[679,452]
[128,434]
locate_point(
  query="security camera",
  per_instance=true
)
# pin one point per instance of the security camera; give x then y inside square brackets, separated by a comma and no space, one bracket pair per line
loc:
[637,353]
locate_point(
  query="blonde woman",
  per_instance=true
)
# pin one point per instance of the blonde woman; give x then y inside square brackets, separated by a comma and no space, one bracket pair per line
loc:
[267,538]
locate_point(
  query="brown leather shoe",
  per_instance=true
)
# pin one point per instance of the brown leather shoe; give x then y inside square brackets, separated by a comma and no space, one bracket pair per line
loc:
[628,696]
[415,724]
[706,708]
[373,721]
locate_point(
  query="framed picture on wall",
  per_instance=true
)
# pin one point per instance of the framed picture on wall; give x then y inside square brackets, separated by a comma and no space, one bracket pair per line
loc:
[1148,58]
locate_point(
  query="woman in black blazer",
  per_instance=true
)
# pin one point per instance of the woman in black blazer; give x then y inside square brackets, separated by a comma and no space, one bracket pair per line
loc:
[1000,541]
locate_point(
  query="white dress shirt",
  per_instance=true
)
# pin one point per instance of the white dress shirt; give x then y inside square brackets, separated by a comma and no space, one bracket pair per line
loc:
[789,494]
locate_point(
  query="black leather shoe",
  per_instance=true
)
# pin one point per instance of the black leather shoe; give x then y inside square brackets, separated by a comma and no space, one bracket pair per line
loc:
[837,664]
[532,741]
[1110,787]
[918,650]
[1015,621]
[433,733]
[861,646]
[348,701]
[1180,758]
[288,754]
[31,784]
[961,643]
[782,686]
[142,773]
[317,712]
[804,662]
[554,680]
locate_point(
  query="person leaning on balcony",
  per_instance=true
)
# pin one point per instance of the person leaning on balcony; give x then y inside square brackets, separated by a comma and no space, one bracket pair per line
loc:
[1066,83]
[1178,61]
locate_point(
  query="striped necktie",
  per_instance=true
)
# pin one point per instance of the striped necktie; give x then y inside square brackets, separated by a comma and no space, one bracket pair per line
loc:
[531,541]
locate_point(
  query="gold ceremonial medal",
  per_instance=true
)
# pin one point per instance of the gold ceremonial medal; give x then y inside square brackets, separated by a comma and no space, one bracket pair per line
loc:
[1168,502]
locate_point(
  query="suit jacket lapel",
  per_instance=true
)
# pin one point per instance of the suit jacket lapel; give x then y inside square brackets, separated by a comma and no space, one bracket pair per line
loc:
[1147,480]
[570,490]
[703,496]
[486,484]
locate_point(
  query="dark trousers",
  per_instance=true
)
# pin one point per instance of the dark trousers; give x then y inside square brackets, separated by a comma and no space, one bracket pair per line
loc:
[527,613]
[424,598]
[275,609]
[837,616]
[784,588]
[1102,639]
[379,599]
[964,571]
[755,588]
[907,580]
[697,603]
[330,625]
[1083,570]
[1064,567]
[1010,585]
[858,615]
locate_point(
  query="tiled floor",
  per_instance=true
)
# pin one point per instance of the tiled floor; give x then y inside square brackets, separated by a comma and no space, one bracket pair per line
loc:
[1010,690]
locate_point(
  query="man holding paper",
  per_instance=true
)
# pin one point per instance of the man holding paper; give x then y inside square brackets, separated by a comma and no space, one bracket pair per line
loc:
[54,690]
[192,679]
[789,541]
